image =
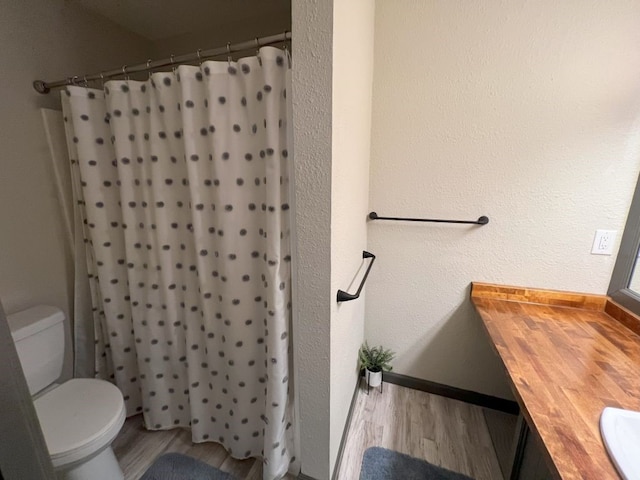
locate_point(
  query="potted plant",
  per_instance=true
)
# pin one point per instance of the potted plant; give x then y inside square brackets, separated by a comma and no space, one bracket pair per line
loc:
[375,360]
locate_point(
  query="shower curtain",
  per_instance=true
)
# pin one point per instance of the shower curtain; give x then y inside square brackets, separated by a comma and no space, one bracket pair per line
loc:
[182,185]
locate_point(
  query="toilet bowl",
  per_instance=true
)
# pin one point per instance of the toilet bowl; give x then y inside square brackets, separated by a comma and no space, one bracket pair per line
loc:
[79,418]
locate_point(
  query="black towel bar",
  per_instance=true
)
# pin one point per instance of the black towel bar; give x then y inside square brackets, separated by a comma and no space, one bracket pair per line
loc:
[344,296]
[481,221]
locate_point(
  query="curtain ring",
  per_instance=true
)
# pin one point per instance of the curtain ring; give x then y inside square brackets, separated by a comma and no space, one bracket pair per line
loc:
[229,53]
[149,67]
[86,84]
[258,51]
[124,72]
[74,80]
[286,49]
[199,57]
[173,68]
[102,79]
[288,55]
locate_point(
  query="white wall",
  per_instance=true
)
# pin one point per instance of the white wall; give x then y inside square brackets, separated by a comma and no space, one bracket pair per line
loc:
[527,112]
[332,125]
[351,140]
[312,67]
[219,33]
[42,39]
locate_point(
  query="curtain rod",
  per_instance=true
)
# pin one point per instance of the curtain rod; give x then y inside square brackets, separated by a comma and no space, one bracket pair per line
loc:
[45,87]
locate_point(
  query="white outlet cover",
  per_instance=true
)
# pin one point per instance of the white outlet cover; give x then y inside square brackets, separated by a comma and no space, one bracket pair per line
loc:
[603,242]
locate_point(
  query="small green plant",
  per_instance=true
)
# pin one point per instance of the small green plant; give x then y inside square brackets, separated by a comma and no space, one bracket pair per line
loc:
[375,359]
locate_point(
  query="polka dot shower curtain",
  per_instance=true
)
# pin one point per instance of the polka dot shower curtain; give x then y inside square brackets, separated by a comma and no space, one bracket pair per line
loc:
[182,184]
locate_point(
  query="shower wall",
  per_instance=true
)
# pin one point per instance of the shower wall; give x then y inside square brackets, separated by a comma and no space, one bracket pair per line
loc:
[277,20]
[52,39]
[46,39]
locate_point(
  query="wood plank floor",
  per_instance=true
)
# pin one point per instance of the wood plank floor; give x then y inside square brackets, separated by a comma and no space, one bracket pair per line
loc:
[136,448]
[443,431]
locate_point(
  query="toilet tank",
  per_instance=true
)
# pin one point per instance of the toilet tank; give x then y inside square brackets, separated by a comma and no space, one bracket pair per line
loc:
[38,333]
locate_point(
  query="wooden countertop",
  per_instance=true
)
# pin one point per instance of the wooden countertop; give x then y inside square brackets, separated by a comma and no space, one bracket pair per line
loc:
[567,356]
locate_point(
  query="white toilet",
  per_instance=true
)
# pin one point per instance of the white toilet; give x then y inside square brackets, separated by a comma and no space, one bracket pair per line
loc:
[79,418]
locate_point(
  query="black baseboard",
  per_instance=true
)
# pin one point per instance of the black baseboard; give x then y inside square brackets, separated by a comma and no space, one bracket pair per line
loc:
[475,398]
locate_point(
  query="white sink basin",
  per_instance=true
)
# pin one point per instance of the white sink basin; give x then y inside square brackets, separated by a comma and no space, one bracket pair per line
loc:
[620,431]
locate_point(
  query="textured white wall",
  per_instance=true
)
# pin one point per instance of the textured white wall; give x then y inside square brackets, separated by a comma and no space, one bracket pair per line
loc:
[42,39]
[527,112]
[351,133]
[312,31]
[222,31]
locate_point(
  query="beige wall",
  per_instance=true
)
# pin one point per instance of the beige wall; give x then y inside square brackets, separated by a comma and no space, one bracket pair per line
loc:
[527,112]
[277,21]
[312,67]
[42,39]
[351,140]
[332,112]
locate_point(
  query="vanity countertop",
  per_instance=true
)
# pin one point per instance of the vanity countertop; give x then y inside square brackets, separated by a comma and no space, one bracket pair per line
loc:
[567,356]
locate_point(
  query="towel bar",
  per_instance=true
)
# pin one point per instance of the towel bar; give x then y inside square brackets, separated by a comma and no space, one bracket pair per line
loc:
[344,296]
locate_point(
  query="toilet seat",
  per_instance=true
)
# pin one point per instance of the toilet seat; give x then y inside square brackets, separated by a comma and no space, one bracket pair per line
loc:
[79,418]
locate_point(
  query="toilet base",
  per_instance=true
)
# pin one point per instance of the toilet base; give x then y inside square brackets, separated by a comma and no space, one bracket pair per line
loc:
[103,466]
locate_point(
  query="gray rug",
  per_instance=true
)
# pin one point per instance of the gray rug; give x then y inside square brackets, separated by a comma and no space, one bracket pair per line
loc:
[175,466]
[382,464]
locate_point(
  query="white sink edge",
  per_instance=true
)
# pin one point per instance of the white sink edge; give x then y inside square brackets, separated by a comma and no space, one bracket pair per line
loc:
[620,430]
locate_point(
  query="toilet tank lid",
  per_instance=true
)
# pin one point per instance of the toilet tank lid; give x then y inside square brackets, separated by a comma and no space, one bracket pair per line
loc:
[33,320]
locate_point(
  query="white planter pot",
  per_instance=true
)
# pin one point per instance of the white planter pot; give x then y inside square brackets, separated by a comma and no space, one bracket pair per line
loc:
[374,378]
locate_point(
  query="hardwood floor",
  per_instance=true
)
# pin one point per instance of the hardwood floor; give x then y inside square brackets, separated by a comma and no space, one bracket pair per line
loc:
[136,448]
[445,432]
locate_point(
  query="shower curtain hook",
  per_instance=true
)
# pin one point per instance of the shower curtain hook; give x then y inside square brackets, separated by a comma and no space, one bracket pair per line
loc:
[286,50]
[229,53]
[149,67]
[199,57]
[258,51]
[288,55]
[173,68]
[102,79]
[74,80]
[86,84]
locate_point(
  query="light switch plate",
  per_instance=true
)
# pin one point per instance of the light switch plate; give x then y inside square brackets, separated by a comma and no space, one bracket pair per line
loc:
[603,242]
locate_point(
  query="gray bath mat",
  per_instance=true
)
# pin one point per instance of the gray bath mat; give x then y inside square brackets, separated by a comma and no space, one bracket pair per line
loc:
[175,466]
[382,464]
